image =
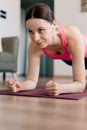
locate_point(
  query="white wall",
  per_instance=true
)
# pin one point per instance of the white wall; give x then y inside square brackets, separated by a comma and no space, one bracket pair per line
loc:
[69,12]
[11,25]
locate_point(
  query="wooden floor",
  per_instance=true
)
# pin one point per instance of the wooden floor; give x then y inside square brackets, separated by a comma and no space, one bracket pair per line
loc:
[30,113]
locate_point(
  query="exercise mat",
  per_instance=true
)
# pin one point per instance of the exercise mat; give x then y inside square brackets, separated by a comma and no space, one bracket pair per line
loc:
[40,92]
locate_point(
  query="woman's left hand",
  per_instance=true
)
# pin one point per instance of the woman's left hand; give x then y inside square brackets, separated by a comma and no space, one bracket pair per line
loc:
[52,88]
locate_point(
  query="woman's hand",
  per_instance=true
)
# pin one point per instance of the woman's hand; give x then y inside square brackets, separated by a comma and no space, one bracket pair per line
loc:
[52,88]
[13,86]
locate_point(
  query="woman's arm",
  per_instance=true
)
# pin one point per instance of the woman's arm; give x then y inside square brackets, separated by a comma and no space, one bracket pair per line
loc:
[33,65]
[33,72]
[76,48]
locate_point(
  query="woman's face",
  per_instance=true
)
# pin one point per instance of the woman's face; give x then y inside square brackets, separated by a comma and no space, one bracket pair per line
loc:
[40,32]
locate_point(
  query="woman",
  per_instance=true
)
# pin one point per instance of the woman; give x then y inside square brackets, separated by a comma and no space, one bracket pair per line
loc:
[57,42]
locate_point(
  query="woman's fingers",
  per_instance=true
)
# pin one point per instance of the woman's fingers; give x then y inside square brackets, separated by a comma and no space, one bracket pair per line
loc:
[52,88]
[12,89]
[49,83]
[13,86]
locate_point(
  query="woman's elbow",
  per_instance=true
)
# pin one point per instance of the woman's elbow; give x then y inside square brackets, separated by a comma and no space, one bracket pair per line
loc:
[82,88]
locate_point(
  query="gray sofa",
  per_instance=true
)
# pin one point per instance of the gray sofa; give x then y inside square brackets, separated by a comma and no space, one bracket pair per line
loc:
[9,55]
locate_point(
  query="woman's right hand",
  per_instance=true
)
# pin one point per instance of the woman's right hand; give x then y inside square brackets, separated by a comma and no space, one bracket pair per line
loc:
[13,86]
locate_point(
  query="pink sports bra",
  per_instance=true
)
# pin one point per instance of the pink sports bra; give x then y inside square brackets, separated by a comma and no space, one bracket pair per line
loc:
[66,54]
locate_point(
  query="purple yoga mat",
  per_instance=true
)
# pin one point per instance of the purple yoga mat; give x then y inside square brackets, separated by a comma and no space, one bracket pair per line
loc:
[40,92]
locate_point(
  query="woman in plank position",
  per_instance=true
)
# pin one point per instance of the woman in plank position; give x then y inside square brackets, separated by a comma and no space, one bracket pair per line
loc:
[56,42]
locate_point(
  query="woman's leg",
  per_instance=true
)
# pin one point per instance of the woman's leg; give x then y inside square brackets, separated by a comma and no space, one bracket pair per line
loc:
[70,62]
[85,63]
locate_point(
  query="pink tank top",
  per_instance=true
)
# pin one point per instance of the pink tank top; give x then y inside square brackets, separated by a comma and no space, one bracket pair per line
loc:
[66,54]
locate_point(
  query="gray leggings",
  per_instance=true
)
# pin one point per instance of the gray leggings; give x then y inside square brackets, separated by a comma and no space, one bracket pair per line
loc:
[70,62]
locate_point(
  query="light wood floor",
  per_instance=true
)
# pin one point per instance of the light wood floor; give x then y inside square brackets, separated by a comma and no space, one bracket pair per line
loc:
[30,113]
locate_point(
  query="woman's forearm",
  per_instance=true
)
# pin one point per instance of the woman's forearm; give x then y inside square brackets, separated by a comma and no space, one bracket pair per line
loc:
[54,88]
[72,87]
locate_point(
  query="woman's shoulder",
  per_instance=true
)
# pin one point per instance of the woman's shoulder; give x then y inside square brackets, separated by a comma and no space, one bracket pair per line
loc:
[70,27]
[71,30]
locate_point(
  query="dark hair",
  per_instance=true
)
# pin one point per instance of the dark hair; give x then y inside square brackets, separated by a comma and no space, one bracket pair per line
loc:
[41,11]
